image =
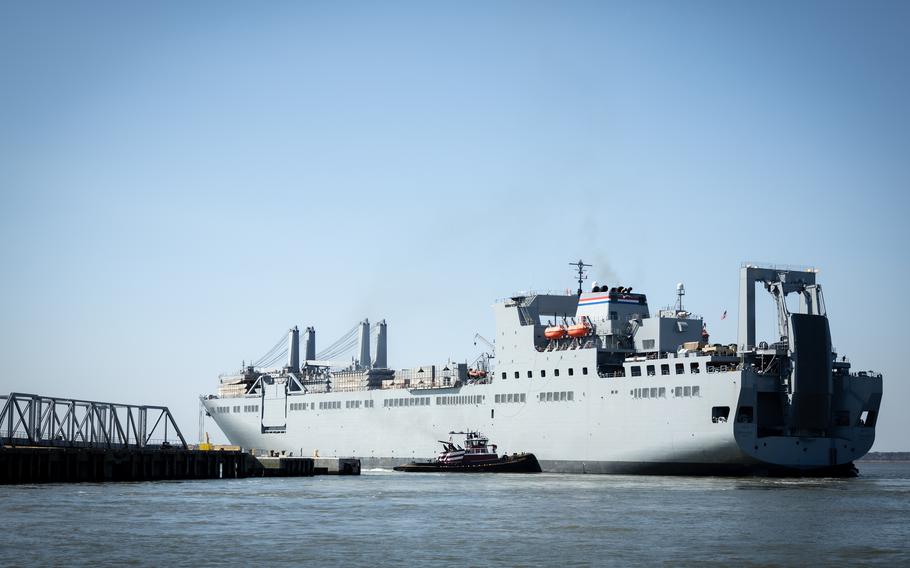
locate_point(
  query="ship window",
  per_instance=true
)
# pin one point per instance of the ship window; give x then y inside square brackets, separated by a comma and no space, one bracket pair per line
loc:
[636,371]
[497,399]
[438,398]
[584,370]
[678,391]
[693,367]
[687,391]
[555,372]
[662,393]
[695,391]
[503,375]
[650,370]
[508,398]
[648,344]
[549,397]
[516,374]
[530,374]
[614,315]
[654,392]
[634,393]
[665,369]
[543,373]
[720,413]
[867,418]
[571,371]
[745,415]
[522,397]
[644,393]
[571,395]
[236,409]
[680,368]
[562,395]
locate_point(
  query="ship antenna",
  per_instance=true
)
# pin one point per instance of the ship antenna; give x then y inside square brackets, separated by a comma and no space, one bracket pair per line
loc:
[581,273]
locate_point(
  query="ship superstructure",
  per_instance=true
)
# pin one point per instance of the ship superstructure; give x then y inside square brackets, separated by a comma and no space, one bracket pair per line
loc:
[589,382]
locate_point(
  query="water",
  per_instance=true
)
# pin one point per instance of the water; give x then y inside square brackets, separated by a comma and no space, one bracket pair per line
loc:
[385,518]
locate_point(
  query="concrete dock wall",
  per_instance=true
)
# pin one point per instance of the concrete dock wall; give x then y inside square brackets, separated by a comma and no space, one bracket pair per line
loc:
[66,465]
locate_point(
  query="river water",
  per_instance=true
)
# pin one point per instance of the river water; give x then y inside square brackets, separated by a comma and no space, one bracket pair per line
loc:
[384,518]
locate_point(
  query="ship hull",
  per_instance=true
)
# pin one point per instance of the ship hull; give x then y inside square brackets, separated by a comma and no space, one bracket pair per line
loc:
[588,425]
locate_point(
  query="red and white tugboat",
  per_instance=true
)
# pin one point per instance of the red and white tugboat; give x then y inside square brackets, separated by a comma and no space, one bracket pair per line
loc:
[477,455]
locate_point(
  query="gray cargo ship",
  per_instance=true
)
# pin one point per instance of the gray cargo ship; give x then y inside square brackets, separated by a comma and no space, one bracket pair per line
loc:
[591,381]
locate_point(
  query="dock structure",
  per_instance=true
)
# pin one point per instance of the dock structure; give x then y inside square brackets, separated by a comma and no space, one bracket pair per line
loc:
[48,439]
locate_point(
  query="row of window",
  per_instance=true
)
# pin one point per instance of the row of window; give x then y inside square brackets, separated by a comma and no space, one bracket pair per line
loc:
[506,398]
[222,409]
[653,392]
[556,396]
[460,399]
[543,373]
[651,370]
[358,403]
[688,391]
[414,401]
[251,408]
[661,392]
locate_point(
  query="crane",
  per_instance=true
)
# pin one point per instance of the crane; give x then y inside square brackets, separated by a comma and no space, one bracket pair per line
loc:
[483,360]
[487,342]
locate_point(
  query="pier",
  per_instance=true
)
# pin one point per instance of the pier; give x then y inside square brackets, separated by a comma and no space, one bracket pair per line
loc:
[55,440]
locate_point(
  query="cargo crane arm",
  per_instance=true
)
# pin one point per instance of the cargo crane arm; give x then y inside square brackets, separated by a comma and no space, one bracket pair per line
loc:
[487,343]
[783,314]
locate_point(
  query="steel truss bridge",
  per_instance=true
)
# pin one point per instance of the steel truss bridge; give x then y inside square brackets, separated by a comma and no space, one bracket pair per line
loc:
[34,420]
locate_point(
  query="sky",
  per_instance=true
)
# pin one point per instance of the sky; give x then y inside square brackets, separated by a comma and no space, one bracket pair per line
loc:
[182,182]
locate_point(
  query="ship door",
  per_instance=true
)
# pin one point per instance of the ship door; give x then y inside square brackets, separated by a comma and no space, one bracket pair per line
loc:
[274,404]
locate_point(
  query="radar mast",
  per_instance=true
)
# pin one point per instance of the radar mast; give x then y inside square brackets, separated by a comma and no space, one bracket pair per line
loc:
[582,273]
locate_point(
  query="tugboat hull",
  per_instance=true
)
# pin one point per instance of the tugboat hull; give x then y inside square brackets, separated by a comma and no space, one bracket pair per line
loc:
[521,463]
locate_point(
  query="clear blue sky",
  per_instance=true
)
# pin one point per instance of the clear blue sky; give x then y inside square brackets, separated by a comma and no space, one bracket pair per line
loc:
[179,183]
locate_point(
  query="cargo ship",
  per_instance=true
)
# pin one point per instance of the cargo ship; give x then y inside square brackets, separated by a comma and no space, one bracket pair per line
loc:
[590,381]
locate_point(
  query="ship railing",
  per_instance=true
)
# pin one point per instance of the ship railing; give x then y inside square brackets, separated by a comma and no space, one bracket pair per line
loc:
[782,267]
[867,374]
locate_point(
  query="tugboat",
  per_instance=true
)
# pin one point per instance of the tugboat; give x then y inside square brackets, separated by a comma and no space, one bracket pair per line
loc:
[477,456]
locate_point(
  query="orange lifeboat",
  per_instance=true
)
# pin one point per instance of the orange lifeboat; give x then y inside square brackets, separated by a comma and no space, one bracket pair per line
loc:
[579,330]
[555,332]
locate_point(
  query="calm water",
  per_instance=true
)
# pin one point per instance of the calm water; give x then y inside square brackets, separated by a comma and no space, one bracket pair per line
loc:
[385,518]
